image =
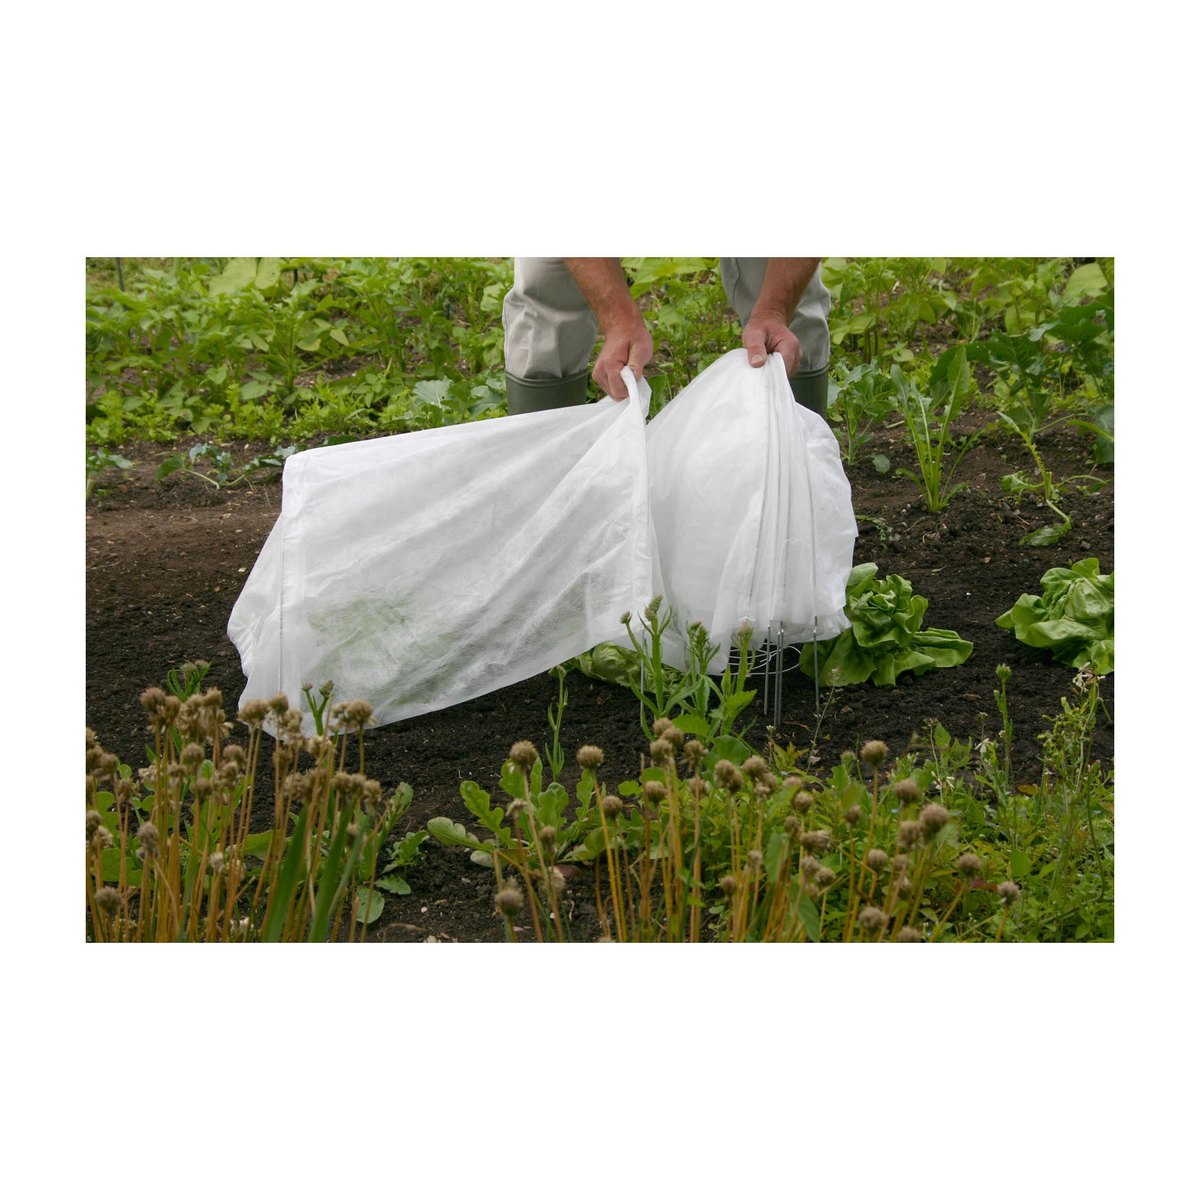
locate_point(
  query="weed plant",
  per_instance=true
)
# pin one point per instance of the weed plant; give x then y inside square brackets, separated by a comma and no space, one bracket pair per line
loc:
[170,853]
[718,843]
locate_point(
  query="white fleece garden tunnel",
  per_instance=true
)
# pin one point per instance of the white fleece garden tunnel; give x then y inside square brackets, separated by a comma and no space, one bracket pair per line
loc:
[425,569]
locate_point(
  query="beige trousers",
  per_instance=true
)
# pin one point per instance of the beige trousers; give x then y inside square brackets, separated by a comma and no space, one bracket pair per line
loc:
[550,329]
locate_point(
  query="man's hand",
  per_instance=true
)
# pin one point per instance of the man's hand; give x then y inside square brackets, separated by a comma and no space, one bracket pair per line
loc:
[627,341]
[626,346]
[767,330]
[770,334]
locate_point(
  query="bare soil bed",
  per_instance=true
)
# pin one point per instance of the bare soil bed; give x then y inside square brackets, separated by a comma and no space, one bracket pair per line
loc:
[166,560]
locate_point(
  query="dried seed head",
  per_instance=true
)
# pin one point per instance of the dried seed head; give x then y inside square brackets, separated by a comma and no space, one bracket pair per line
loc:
[193,755]
[803,801]
[791,825]
[1009,892]
[754,767]
[853,814]
[877,860]
[278,704]
[908,835]
[661,726]
[108,900]
[906,791]
[932,819]
[253,713]
[372,796]
[818,840]
[558,880]
[509,899]
[352,830]
[610,804]
[810,866]
[662,750]
[202,787]
[91,737]
[148,836]
[693,753]
[727,775]
[654,791]
[590,758]
[909,934]
[754,861]
[872,919]
[904,886]
[101,839]
[728,884]
[216,862]
[92,821]
[233,754]
[524,755]
[874,753]
[152,700]
[516,807]
[357,714]
[547,834]
[824,877]
[899,864]
[969,864]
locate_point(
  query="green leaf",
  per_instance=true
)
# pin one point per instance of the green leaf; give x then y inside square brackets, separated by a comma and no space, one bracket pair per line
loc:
[451,833]
[285,883]
[267,275]
[692,723]
[397,884]
[1019,864]
[882,463]
[1086,280]
[811,918]
[367,915]
[237,274]
[1048,535]
[257,845]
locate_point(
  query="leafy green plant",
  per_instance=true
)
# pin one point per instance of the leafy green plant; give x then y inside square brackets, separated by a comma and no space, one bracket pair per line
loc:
[1073,617]
[860,401]
[929,428]
[885,635]
[99,461]
[224,472]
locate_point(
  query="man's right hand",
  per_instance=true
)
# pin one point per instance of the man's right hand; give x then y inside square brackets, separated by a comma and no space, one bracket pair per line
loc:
[627,341]
[628,345]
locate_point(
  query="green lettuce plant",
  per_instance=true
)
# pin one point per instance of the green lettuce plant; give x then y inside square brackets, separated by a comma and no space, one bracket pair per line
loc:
[885,635]
[1073,617]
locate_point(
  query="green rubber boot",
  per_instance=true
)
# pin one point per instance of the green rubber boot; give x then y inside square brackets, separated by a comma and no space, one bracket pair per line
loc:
[811,389]
[537,395]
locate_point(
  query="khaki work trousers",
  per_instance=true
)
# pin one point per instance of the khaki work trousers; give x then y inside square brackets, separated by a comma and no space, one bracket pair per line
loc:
[550,332]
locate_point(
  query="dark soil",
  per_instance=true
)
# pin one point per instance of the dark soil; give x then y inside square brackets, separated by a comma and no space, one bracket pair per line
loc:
[165,562]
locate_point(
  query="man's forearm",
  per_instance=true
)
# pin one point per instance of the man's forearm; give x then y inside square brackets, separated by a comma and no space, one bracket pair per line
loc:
[602,282]
[783,285]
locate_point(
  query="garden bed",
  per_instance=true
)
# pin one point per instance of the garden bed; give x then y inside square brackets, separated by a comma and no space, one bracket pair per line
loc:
[166,560]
